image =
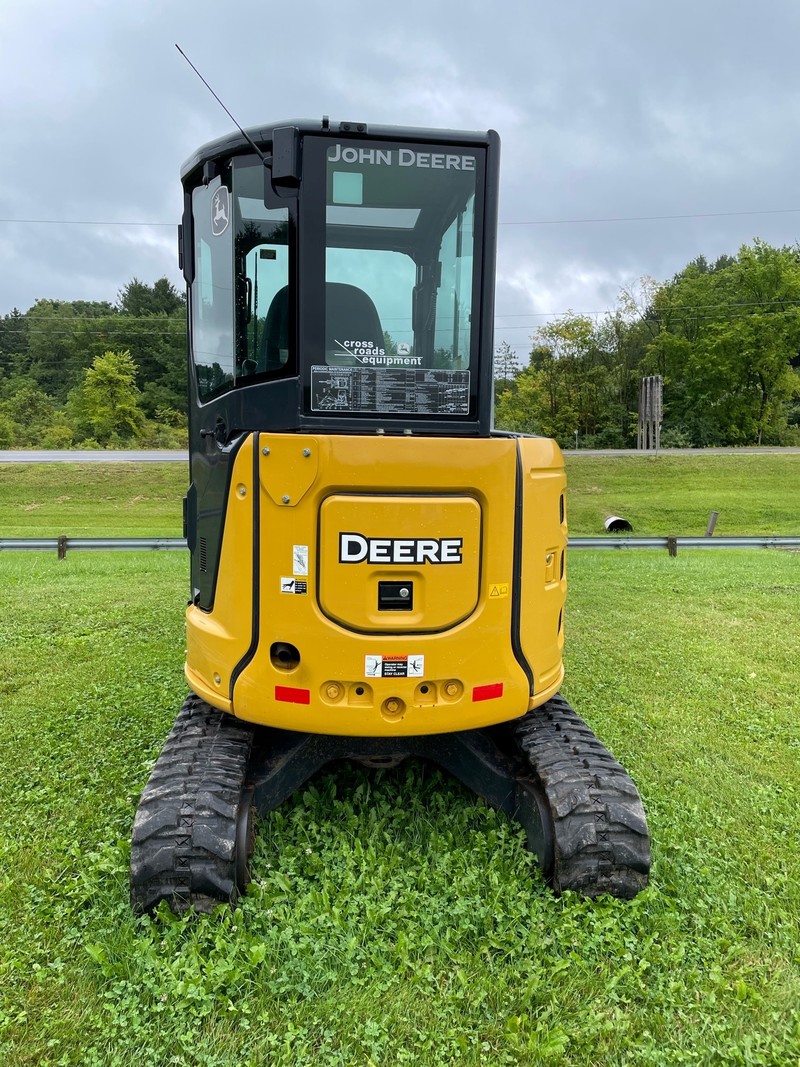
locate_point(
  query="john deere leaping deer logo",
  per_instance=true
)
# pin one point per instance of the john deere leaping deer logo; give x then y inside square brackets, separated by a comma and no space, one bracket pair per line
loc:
[220,211]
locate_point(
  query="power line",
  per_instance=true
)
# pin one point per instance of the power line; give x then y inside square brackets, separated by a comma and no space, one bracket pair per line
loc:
[161,319]
[655,218]
[83,222]
[503,222]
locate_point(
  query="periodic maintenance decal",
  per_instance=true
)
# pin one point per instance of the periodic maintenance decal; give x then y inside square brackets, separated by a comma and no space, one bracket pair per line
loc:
[393,390]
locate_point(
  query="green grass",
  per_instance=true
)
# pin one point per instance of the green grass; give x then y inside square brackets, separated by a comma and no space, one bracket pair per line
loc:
[394,919]
[92,499]
[754,493]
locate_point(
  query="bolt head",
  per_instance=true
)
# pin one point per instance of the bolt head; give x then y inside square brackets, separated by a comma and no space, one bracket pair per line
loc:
[286,499]
[306,452]
[264,451]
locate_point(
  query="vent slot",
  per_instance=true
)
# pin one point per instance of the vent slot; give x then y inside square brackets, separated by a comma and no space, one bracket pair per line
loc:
[203,555]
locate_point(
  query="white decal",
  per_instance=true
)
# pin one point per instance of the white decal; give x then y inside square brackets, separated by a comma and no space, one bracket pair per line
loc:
[394,666]
[371,355]
[299,559]
[403,157]
[294,585]
[220,211]
[355,548]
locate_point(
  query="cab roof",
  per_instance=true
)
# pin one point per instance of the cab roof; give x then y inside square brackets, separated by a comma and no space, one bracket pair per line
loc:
[236,142]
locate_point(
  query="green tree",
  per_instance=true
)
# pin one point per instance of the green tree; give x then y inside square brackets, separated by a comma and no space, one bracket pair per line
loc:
[519,407]
[161,298]
[59,336]
[750,355]
[506,369]
[506,364]
[106,405]
[29,418]
[728,341]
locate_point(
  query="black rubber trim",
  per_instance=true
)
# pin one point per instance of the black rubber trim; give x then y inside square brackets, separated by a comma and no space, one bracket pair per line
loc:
[256,614]
[516,591]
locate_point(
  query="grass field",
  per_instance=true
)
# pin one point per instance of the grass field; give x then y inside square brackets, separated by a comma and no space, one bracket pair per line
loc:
[393,918]
[92,499]
[754,493]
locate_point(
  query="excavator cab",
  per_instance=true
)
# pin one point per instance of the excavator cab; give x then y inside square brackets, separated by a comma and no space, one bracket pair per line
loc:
[339,281]
[376,572]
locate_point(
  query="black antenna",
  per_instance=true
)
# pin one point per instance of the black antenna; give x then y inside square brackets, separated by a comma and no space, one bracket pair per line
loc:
[246,136]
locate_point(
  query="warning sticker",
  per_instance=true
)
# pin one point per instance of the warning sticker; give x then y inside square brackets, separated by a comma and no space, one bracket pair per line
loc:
[497,590]
[394,666]
[299,559]
[390,389]
[294,585]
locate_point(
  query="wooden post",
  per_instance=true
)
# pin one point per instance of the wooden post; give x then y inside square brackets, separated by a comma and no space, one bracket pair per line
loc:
[651,390]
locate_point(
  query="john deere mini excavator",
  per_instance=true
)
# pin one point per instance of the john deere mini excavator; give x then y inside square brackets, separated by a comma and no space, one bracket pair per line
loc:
[376,573]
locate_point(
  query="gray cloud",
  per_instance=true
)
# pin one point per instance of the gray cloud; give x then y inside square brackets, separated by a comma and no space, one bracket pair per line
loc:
[606,111]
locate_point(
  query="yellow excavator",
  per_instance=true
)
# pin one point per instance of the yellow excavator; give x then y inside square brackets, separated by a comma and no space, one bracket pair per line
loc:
[376,572]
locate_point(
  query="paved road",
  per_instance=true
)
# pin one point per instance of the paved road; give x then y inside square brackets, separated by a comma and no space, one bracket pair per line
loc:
[74,456]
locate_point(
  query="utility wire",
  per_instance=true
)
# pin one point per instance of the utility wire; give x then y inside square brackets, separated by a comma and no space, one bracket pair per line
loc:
[8,358]
[655,218]
[162,322]
[508,222]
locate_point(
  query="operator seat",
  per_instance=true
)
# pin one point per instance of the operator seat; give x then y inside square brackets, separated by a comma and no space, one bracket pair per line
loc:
[350,315]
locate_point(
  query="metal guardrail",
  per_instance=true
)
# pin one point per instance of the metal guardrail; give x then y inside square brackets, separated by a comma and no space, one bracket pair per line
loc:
[766,541]
[62,545]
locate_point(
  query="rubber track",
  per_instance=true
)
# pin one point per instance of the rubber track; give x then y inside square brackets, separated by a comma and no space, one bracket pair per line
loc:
[601,842]
[184,834]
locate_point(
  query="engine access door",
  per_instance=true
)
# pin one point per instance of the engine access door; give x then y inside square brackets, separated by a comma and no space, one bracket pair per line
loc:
[399,564]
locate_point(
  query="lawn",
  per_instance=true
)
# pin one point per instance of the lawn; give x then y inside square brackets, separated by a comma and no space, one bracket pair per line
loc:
[754,493]
[92,499]
[393,918]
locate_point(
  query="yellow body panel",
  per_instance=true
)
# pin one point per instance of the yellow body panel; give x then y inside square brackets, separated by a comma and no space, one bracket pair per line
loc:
[440,513]
[401,535]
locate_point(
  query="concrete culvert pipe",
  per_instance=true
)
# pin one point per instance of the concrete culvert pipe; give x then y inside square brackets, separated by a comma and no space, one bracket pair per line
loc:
[616,524]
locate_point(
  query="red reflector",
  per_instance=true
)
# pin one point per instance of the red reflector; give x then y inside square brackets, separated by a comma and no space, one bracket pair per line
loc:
[487,692]
[292,696]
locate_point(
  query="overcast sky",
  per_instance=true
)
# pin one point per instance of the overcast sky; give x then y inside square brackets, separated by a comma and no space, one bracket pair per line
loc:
[617,110]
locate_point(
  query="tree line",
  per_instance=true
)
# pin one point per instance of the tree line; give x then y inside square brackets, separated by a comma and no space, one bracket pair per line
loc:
[725,336]
[94,374]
